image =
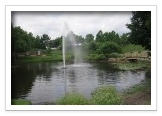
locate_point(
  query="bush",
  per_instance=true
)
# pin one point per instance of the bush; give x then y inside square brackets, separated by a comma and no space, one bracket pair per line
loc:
[106,96]
[132,48]
[115,55]
[102,96]
[109,47]
[92,47]
[100,57]
[73,98]
[97,57]
[49,50]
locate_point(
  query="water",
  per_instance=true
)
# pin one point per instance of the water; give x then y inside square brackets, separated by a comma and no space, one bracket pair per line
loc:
[47,82]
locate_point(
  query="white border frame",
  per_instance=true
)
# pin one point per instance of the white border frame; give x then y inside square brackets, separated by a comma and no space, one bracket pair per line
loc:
[153,10]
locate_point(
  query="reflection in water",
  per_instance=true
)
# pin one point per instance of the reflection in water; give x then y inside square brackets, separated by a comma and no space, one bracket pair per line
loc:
[47,82]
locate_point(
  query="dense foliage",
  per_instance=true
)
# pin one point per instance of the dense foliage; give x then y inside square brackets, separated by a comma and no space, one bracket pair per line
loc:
[132,48]
[106,96]
[101,96]
[73,98]
[102,45]
[141,28]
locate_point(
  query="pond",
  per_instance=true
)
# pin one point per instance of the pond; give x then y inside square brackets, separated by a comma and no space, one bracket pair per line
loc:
[47,82]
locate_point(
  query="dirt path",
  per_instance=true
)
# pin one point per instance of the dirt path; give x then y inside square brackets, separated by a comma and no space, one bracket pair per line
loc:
[141,98]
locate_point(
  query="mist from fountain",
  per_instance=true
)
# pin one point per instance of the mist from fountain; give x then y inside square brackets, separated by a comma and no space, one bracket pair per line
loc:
[69,44]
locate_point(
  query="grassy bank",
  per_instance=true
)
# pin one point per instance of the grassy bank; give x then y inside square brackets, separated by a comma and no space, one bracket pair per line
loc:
[39,59]
[52,57]
[20,102]
[48,57]
[132,65]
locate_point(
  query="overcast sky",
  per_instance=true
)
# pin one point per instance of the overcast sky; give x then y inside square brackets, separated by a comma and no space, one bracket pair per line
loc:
[81,23]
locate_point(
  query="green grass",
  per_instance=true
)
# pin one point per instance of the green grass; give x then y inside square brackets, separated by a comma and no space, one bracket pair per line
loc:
[20,102]
[49,57]
[39,59]
[132,48]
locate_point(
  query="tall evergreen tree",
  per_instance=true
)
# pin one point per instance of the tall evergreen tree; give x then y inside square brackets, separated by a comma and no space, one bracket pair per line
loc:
[141,28]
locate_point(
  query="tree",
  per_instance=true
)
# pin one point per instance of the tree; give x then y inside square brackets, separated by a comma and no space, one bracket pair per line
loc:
[109,47]
[92,47]
[45,40]
[21,41]
[111,36]
[99,36]
[141,28]
[37,42]
[89,38]
[79,39]
[124,39]
[56,42]
[13,39]
[30,40]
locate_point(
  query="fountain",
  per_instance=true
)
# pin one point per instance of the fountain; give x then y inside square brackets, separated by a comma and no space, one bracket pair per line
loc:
[65,32]
[63,52]
[69,44]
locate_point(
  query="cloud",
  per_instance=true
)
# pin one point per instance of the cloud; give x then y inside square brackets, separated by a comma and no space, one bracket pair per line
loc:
[81,23]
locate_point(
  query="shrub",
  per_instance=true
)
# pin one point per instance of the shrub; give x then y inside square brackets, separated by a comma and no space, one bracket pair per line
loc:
[97,57]
[106,96]
[72,98]
[49,50]
[132,48]
[101,96]
[115,55]
[100,57]
[109,47]
[92,46]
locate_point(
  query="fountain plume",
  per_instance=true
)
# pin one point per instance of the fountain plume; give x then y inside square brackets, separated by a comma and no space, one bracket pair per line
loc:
[69,44]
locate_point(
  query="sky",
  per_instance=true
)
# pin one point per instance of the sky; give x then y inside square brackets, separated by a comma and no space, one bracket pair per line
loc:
[81,23]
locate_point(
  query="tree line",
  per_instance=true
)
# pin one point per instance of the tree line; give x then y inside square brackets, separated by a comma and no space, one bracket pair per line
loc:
[101,43]
[22,41]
